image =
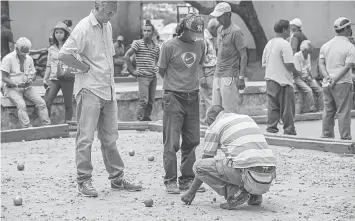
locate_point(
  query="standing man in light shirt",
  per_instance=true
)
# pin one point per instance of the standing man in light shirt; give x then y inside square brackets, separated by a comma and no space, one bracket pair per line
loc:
[336,60]
[208,67]
[231,60]
[94,90]
[279,71]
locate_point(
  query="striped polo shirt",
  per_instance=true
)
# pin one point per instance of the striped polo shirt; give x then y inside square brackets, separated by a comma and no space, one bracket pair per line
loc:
[241,140]
[146,58]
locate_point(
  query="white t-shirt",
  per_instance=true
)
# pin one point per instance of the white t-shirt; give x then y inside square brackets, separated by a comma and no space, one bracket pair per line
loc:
[276,53]
[302,64]
[337,52]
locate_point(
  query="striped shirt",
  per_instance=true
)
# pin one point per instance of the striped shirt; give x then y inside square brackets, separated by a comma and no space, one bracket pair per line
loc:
[241,140]
[146,58]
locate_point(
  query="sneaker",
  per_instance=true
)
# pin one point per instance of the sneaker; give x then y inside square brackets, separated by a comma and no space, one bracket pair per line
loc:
[86,189]
[126,185]
[255,200]
[186,186]
[236,200]
[172,188]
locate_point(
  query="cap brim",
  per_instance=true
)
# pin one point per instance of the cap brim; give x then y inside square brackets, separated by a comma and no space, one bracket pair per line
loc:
[216,14]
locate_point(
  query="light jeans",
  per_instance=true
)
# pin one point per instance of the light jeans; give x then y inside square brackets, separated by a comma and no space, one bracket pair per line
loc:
[17,96]
[94,112]
[226,93]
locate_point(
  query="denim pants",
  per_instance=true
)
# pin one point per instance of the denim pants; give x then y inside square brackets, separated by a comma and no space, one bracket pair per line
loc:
[17,96]
[337,100]
[308,88]
[96,113]
[226,93]
[206,97]
[281,104]
[147,87]
[67,88]
[181,118]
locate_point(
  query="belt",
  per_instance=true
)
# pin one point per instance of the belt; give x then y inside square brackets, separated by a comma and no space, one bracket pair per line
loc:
[180,93]
[261,169]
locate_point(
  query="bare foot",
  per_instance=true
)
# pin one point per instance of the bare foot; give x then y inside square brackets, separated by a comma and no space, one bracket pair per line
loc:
[188,197]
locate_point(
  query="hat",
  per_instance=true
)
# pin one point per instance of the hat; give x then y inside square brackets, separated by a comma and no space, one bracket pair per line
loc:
[341,23]
[61,25]
[5,18]
[297,22]
[195,23]
[221,8]
[120,38]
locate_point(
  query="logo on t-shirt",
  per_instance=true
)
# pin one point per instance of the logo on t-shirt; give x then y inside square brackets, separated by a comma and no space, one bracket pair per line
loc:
[188,58]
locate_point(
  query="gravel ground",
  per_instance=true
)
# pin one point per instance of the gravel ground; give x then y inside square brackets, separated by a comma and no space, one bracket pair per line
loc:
[310,185]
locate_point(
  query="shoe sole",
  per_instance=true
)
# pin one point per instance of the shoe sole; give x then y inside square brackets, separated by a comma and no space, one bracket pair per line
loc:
[172,192]
[199,191]
[122,188]
[82,194]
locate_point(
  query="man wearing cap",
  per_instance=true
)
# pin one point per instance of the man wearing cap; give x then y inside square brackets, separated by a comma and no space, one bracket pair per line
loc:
[231,60]
[336,59]
[248,166]
[209,67]
[179,64]
[297,36]
[7,42]
[18,73]
[118,59]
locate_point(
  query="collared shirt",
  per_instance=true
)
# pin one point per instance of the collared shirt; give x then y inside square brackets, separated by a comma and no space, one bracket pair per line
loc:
[302,64]
[11,64]
[94,44]
[241,140]
[52,61]
[210,50]
[337,52]
[230,41]
[276,53]
[146,58]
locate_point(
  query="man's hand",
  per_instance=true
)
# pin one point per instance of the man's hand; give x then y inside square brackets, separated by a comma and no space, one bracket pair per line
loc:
[187,197]
[240,83]
[203,82]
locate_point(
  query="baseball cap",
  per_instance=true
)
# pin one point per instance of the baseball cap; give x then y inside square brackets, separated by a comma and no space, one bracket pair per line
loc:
[5,18]
[297,22]
[221,8]
[195,23]
[341,23]
[120,38]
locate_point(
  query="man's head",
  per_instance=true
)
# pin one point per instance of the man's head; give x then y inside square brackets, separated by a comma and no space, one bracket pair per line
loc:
[282,28]
[105,10]
[148,31]
[306,47]
[342,26]
[223,13]
[22,47]
[212,26]
[212,113]
[295,24]
[5,20]
[191,27]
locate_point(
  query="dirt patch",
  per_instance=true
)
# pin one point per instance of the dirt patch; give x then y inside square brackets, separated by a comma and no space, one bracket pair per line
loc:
[310,185]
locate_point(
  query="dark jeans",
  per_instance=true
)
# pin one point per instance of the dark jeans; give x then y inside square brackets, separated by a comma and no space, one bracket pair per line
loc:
[337,100]
[67,88]
[147,87]
[281,104]
[181,118]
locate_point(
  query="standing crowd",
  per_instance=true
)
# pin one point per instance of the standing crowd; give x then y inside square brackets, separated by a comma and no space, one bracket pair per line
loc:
[203,71]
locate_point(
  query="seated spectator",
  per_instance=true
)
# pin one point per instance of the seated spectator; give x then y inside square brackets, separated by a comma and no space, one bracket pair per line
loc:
[118,57]
[306,84]
[18,73]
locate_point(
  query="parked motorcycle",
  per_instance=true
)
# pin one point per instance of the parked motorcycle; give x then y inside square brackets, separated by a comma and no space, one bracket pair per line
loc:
[40,60]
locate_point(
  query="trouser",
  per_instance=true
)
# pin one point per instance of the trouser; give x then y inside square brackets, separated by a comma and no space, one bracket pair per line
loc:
[226,93]
[181,118]
[206,94]
[308,88]
[147,87]
[337,100]
[67,88]
[94,112]
[281,104]
[17,96]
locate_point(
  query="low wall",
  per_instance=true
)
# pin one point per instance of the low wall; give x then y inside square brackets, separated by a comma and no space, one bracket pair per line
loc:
[253,102]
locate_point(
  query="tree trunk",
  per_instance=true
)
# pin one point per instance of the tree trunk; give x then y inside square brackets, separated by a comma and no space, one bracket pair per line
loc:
[5,9]
[247,13]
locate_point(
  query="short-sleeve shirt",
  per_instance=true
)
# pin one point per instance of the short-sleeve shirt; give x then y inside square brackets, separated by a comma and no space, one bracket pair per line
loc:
[181,61]
[229,42]
[337,52]
[146,58]
[6,38]
[302,64]
[11,64]
[94,45]
[276,53]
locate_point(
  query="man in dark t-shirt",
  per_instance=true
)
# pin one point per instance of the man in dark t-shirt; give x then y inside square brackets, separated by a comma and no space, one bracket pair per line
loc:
[7,42]
[297,35]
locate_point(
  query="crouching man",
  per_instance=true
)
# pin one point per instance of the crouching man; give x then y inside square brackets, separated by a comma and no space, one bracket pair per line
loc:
[248,168]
